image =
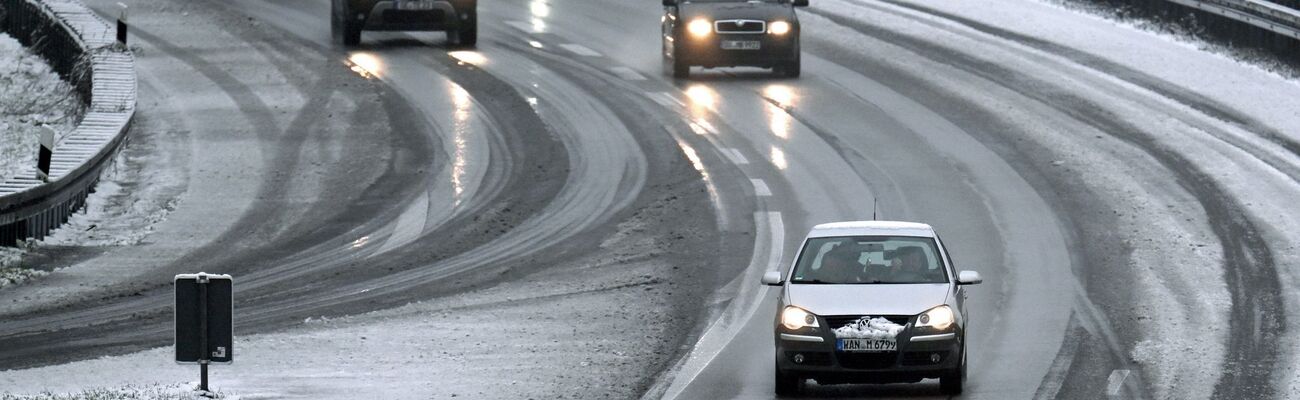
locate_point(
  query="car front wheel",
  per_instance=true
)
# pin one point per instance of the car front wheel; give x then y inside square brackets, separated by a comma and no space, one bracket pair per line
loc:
[787,383]
[466,34]
[952,382]
[345,29]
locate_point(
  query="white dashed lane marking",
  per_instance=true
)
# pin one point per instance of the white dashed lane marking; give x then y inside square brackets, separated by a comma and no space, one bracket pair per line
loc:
[665,99]
[580,50]
[699,130]
[735,156]
[627,73]
[760,188]
[707,126]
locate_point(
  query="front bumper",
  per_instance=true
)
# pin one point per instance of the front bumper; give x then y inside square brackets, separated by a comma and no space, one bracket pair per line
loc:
[707,51]
[383,15]
[913,361]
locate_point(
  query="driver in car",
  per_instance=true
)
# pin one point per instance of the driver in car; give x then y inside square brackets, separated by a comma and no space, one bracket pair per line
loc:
[841,266]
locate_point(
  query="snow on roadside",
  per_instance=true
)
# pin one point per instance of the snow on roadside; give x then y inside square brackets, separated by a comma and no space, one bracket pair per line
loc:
[1175,256]
[31,95]
[1265,92]
[11,270]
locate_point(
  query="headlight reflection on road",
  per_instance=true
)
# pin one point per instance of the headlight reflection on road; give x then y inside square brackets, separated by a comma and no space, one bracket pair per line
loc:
[539,9]
[702,99]
[778,118]
[365,64]
[469,57]
[782,95]
[461,121]
[778,158]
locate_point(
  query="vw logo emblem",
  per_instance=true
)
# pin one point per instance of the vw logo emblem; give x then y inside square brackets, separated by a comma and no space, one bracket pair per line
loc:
[740,23]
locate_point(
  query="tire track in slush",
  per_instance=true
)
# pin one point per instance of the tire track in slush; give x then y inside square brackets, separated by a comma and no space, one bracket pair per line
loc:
[1249,270]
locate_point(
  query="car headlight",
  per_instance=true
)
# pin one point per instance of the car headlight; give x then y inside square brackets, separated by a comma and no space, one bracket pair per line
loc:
[939,318]
[795,318]
[778,28]
[700,27]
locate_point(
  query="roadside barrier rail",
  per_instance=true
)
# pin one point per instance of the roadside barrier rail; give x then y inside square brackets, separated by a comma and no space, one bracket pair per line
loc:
[1263,14]
[83,49]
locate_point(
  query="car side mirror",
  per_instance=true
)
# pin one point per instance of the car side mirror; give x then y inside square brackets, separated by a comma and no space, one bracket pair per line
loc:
[670,3]
[969,278]
[773,278]
[796,3]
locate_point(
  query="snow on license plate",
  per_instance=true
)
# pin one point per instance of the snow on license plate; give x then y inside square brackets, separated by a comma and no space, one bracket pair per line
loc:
[740,45]
[866,345]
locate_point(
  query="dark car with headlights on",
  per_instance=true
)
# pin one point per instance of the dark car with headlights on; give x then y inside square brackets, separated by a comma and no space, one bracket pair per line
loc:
[871,302]
[459,18]
[731,33]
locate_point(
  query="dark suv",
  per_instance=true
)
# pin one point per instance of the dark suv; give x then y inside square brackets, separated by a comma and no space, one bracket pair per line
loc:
[459,18]
[731,33]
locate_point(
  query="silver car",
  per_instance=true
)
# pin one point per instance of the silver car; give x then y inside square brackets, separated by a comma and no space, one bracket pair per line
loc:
[871,302]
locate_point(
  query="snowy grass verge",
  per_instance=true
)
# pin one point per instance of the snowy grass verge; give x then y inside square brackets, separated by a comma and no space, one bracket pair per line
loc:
[31,96]
[134,392]
[1185,29]
[11,271]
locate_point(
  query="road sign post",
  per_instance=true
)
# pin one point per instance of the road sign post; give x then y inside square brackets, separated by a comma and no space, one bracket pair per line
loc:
[204,321]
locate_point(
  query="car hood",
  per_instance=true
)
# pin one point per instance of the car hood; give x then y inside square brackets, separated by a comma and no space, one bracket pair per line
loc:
[736,10]
[879,299]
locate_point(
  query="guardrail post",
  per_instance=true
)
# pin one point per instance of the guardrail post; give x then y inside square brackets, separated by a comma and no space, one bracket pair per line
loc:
[45,154]
[121,24]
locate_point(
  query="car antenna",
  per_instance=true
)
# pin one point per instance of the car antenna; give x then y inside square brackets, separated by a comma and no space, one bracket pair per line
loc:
[873,208]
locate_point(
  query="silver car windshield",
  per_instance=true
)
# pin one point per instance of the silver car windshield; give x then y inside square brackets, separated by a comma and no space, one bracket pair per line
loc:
[870,260]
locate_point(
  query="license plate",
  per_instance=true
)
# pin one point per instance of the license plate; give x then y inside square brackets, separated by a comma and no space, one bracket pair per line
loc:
[740,45]
[414,5]
[866,345]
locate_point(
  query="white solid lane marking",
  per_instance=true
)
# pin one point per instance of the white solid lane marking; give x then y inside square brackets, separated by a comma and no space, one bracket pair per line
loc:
[535,44]
[760,187]
[776,228]
[735,156]
[580,50]
[627,73]
[409,225]
[1115,381]
[699,130]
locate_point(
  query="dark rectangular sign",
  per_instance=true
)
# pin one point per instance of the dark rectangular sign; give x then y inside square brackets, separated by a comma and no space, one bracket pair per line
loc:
[199,296]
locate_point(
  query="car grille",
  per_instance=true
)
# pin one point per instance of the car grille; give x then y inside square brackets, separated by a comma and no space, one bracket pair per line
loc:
[867,360]
[923,357]
[740,26]
[837,321]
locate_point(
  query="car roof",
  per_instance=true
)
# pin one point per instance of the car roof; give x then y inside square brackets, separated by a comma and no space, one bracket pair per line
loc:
[872,228]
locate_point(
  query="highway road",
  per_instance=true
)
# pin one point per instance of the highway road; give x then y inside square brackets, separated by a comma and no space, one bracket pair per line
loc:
[460,169]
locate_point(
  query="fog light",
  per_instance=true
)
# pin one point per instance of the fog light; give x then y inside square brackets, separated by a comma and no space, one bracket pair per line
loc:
[798,358]
[934,358]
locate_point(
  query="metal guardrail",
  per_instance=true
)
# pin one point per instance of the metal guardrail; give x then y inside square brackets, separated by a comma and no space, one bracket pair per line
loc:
[1269,16]
[81,48]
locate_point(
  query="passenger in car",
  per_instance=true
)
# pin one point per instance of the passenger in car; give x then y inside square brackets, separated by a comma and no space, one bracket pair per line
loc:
[909,265]
[841,266]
